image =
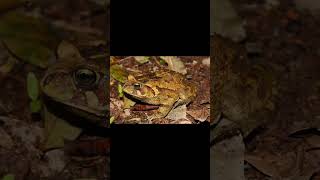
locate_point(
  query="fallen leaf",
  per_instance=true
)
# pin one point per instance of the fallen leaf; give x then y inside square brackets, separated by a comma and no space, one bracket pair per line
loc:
[29,51]
[291,160]
[206,61]
[175,64]
[162,62]
[112,119]
[57,130]
[141,59]
[35,106]
[227,159]
[8,177]
[118,73]
[28,38]
[200,114]
[8,66]
[128,102]
[68,51]
[120,90]
[177,113]
[225,21]
[55,160]
[223,128]
[32,86]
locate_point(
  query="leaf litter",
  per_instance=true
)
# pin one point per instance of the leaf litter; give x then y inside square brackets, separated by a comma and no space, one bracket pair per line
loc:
[30,33]
[287,147]
[137,112]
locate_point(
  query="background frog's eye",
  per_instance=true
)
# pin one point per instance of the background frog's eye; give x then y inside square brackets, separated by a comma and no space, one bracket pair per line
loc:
[85,78]
[137,86]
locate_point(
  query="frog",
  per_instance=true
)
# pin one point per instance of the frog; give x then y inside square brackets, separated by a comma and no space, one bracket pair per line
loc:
[77,85]
[243,91]
[165,88]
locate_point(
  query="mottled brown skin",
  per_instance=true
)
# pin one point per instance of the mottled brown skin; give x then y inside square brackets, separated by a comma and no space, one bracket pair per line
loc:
[242,91]
[165,88]
[79,85]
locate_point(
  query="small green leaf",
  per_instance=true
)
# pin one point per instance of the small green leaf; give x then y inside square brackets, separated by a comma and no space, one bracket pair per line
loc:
[32,86]
[35,106]
[118,73]
[8,177]
[120,90]
[111,119]
[162,62]
[128,102]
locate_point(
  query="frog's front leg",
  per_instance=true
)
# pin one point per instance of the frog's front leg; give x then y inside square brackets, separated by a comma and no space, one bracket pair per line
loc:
[165,107]
[161,112]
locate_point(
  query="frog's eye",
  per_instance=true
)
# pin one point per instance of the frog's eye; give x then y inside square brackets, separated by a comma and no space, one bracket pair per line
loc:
[137,86]
[85,78]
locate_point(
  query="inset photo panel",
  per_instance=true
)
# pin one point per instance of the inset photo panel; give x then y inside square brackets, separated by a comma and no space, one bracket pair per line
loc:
[54,100]
[159,89]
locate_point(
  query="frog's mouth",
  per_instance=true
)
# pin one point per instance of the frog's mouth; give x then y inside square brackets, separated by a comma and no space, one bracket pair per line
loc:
[96,111]
[85,116]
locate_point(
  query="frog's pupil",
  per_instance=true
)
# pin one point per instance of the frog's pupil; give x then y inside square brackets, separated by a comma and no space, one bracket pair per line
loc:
[85,77]
[137,86]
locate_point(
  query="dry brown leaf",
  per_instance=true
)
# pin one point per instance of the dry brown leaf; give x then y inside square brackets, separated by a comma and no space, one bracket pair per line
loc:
[206,61]
[289,161]
[227,159]
[179,112]
[200,114]
[175,64]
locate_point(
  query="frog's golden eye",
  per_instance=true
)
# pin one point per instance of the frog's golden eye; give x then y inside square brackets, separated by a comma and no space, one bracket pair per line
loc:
[137,86]
[85,78]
